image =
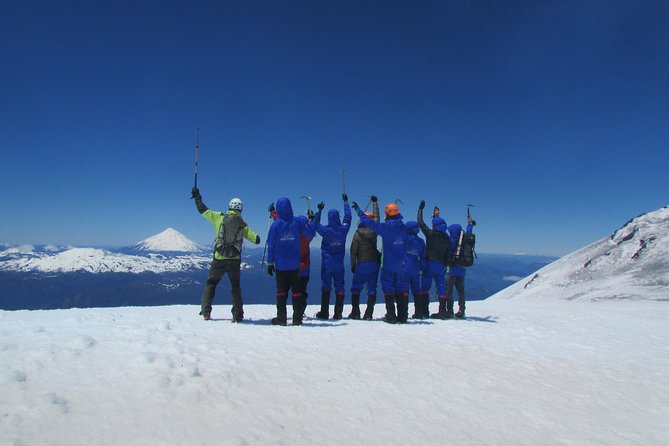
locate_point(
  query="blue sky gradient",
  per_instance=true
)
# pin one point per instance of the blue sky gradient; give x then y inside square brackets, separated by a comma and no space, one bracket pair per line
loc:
[552,118]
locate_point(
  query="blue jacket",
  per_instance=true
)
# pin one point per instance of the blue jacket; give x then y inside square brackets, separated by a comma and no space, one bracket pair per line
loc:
[454,233]
[415,246]
[394,235]
[333,245]
[283,240]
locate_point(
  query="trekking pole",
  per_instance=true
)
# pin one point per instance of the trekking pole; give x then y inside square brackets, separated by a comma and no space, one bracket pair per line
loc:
[469,206]
[264,250]
[197,144]
[343,186]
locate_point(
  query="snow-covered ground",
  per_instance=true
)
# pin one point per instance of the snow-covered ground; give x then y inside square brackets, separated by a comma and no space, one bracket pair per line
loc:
[517,372]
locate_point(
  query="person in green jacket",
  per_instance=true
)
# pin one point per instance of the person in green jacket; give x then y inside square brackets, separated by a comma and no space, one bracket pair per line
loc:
[230,228]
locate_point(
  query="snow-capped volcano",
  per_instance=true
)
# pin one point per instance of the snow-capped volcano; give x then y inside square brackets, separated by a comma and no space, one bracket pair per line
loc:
[169,240]
[633,263]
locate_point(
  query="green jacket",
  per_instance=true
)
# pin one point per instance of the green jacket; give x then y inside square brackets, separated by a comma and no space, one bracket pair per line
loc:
[216,219]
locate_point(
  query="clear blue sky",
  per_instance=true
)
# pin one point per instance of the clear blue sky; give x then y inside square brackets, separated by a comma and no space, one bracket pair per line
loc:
[552,118]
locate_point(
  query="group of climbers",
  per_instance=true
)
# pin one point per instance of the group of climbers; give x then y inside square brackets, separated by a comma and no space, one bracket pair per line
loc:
[405,264]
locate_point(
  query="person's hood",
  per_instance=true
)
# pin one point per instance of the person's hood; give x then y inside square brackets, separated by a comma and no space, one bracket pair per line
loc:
[412,227]
[284,208]
[333,218]
[454,230]
[439,224]
[302,219]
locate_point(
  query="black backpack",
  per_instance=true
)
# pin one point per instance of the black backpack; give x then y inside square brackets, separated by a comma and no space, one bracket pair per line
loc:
[464,253]
[229,239]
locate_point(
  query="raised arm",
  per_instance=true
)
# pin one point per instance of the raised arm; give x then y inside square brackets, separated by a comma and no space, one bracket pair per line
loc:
[423,227]
[375,208]
[195,195]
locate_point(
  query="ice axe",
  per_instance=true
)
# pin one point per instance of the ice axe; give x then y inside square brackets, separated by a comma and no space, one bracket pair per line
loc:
[343,186]
[308,198]
[397,200]
[368,203]
[469,206]
[197,144]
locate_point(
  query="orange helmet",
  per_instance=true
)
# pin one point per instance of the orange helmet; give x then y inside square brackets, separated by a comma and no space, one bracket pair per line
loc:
[370,215]
[392,210]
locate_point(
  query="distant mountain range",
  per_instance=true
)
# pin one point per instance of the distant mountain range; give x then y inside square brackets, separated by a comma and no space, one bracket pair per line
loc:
[168,268]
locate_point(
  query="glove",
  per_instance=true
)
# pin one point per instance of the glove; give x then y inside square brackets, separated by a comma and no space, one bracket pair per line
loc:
[344,197]
[257,239]
[270,270]
[195,193]
[270,208]
[422,204]
[471,220]
[373,198]
[321,205]
[355,206]
[310,214]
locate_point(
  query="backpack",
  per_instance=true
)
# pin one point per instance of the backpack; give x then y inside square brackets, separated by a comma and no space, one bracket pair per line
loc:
[229,238]
[464,253]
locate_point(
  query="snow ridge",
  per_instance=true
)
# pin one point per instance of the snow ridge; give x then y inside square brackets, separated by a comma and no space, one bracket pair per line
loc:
[633,263]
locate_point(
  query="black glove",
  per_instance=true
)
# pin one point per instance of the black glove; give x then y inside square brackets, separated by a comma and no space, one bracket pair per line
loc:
[422,204]
[257,239]
[270,208]
[373,198]
[195,193]
[321,205]
[310,214]
[355,206]
[270,270]
[344,197]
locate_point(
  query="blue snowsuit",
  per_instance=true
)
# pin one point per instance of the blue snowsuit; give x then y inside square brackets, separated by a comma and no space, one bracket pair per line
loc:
[393,264]
[283,252]
[415,257]
[333,247]
[283,240]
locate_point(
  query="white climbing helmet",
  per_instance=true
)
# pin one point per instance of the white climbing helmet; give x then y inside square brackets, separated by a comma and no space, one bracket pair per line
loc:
[236,204]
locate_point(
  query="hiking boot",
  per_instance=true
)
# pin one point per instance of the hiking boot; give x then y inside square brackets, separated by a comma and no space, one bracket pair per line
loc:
[322,315]
[389,319]
[441,314]
[236,320]
[207,316]
[355,314]
[277,321]
[339,306]
[460,314]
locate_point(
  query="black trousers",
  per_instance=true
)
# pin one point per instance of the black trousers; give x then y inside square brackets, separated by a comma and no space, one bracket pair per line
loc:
[289,281]
[217,270]
[459,283]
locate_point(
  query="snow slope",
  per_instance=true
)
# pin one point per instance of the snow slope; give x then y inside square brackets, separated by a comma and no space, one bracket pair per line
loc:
[633,263]
[517,372]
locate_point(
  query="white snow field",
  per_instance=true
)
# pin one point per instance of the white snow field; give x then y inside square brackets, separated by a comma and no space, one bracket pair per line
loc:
[517,372]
